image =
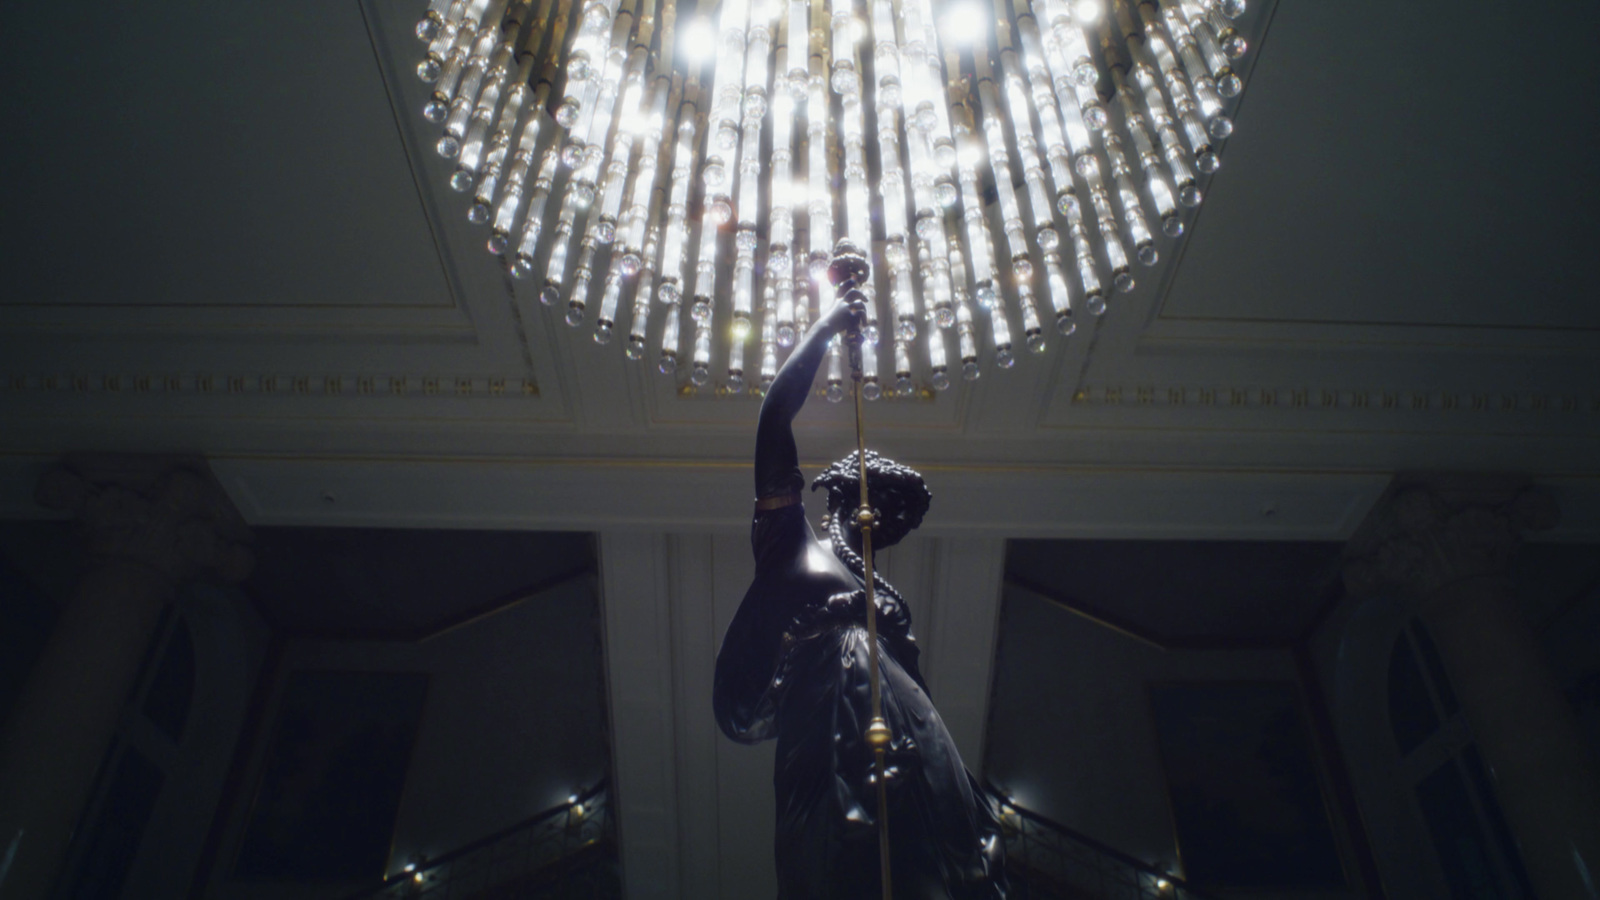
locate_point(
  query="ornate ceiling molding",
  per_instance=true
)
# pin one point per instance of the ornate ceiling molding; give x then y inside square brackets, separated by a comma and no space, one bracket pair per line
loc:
[476,386]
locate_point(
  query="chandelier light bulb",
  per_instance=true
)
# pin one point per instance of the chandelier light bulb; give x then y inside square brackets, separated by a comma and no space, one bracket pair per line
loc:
[1010,162]
[964,24]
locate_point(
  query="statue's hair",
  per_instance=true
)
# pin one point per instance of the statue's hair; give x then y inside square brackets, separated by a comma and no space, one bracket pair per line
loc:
[897,492]
[900,497]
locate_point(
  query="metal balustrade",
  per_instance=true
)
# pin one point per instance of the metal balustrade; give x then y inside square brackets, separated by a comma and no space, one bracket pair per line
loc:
[1046,860]
[569,851]
[564,853]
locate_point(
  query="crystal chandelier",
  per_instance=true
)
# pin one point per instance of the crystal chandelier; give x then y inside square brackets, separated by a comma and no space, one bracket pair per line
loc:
[622,161]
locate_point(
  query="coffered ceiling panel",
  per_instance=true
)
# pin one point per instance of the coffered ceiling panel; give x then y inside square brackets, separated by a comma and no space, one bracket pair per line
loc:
[207,155]
[1418,164]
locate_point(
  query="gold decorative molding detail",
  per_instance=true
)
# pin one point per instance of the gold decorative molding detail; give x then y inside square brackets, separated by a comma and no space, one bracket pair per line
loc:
[157,383]
[1323,399]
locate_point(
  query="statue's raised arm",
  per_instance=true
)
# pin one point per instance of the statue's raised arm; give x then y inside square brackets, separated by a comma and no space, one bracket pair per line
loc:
[777,460]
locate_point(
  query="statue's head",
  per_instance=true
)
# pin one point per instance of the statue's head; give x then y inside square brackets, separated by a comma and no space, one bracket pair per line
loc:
[897,493]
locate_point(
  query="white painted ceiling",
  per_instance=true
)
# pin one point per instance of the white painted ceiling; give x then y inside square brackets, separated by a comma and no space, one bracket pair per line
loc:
[226,233]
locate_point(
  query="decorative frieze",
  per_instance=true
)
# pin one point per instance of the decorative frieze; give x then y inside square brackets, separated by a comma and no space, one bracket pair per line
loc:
[373,385]
[1126,396]
[1310,398]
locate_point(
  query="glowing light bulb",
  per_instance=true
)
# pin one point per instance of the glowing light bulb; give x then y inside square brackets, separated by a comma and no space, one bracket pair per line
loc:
[1087,12]
[699,41]
[963,24]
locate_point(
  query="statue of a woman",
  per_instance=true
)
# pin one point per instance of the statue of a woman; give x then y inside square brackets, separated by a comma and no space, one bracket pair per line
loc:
[794,665]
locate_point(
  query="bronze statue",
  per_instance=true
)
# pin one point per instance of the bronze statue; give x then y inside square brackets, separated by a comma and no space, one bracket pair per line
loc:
[794,665]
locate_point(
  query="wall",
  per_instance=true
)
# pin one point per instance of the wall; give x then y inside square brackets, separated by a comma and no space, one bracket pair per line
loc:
[1559,586]
[1071,734]
[514,722]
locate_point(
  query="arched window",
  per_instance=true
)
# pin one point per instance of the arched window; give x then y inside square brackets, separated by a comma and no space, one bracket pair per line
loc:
[1450,786]
[136,766]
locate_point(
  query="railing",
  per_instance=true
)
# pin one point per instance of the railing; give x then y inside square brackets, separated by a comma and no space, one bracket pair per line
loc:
[1046,860]
[567,851]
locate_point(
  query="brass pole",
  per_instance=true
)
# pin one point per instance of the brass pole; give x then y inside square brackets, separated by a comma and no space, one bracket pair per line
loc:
[877,730]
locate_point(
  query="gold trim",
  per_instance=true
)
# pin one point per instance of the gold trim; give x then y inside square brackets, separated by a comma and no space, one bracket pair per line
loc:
[777,501]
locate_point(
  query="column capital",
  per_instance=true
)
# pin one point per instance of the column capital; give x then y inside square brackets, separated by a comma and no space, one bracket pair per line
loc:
[165,512]
[1432,532]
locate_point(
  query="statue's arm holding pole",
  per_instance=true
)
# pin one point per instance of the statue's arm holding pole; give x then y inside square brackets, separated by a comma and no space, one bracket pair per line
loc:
[777,459]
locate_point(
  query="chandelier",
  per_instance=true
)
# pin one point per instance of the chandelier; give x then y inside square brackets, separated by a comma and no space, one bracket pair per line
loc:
[622,158]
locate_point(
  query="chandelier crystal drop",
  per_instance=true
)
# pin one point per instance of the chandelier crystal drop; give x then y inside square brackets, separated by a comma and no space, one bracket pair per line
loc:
[1009,165]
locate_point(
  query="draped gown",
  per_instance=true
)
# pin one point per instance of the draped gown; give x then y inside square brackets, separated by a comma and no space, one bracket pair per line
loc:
[794,666]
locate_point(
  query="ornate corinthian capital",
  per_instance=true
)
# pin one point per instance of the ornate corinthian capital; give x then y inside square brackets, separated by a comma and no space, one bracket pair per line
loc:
[1430,534]
[165,512]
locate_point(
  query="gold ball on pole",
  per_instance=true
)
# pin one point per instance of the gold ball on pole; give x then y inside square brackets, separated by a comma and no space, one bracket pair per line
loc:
[878,734]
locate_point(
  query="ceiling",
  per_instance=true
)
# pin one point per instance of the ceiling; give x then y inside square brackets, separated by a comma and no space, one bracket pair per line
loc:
[242,246]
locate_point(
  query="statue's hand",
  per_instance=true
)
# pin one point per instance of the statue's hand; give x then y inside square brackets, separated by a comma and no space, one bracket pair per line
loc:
[848,313]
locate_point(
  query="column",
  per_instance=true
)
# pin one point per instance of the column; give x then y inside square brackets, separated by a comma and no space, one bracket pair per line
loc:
[1448,546]
[150,524]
